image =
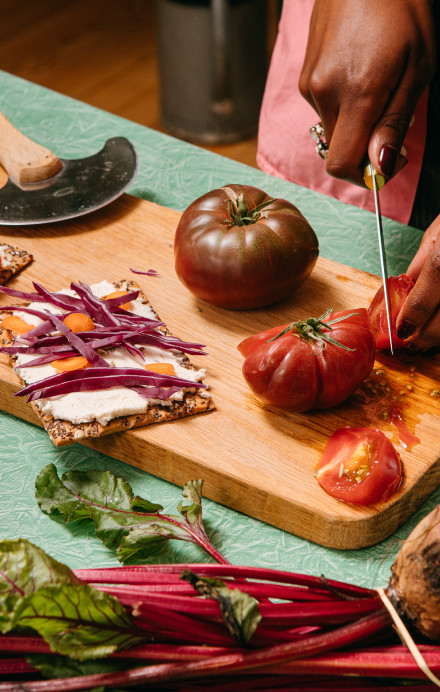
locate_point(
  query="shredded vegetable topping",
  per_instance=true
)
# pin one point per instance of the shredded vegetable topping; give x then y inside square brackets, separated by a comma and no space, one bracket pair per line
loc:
[107,326]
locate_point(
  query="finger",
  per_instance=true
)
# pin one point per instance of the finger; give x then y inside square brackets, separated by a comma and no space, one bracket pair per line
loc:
[317,88]
[429,336]
[426,246]
[387,138]
[423,301]
[351,135]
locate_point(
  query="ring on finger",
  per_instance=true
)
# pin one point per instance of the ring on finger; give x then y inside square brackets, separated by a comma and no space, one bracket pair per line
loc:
[318,134]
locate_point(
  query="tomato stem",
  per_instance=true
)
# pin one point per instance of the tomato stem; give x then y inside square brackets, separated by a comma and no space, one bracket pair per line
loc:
[239,214]
[312,329]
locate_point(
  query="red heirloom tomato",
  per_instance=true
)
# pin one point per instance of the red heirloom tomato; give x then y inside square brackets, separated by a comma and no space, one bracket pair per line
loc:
[398,288]
[360,466]
[238,248]
[313,364]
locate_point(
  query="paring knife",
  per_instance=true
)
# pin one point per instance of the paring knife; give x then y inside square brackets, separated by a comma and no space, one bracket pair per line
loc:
[375,181]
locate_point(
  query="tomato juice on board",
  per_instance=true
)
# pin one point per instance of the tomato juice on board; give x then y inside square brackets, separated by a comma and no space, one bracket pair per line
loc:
[386,396]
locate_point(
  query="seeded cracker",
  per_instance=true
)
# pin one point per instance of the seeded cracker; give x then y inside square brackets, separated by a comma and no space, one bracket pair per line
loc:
[12,260]
[64,432]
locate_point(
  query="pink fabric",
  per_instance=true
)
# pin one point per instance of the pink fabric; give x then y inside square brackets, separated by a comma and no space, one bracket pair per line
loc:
[285,147]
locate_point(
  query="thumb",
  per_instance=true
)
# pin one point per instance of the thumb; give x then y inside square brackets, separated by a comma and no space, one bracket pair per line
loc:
[429,241]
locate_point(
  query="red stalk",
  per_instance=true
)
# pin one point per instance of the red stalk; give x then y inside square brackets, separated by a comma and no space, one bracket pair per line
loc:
[15,666]
[181,626]
[364,662]
[220,665]
[278,614]
[257,590]
[154,574]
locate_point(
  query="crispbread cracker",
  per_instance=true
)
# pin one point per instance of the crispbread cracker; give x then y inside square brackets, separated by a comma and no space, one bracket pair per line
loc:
[17,259]
[64,432]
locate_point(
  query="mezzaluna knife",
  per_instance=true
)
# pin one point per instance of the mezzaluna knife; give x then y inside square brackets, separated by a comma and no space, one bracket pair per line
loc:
[43,188]
[375,181]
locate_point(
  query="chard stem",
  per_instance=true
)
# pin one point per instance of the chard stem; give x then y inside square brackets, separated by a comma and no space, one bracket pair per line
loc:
[218,665]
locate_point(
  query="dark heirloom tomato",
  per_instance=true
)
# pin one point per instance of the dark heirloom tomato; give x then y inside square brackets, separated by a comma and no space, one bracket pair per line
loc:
[360,466]
[399,288]
[238,248]
[313,364]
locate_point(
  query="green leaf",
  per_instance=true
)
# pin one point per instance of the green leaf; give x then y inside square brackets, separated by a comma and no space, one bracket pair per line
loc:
[97,495]
[52,666]
[132,525]
[142,540]
[192,513]
[77,620]
[239,610]
[24,568]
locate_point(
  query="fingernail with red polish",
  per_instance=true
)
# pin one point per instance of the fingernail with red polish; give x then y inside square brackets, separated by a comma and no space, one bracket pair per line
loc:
[387,160]
[405,330]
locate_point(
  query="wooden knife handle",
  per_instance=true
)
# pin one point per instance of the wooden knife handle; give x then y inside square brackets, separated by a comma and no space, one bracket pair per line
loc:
[24,160]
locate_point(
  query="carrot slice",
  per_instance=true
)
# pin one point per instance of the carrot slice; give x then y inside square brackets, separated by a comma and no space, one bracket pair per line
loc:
[116,294]
[16,325]
[79,322]
[68,364]
[161,368]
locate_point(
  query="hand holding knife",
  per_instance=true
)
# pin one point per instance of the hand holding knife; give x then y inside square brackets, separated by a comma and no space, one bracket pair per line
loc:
[375,181]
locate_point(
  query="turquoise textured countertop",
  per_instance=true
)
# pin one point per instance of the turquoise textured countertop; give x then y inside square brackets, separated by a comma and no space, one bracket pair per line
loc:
[173,173]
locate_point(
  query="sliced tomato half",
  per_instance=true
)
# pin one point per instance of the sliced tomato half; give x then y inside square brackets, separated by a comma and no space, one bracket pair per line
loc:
[359,466]
[399,288]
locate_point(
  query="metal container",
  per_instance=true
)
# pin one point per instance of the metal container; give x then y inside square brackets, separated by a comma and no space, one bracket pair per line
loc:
[213,62]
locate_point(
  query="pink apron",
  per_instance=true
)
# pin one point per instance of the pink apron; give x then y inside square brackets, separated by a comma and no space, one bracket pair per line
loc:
[285,147]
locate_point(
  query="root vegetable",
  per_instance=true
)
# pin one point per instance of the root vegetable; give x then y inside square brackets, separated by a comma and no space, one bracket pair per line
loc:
[414,586]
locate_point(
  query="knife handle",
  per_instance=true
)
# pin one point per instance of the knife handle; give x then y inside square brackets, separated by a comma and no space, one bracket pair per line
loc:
[24,160]
[369,171]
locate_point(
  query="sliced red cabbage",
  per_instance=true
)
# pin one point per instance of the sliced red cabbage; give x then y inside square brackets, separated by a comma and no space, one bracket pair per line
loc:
[124,329]
[60,300]
[98,310]
[129,318]
[33,297]
[150,272]
[156,392]
[32,350]
[97,384]
[30,311]
[103,378]
[48,358]
[169,343]
[131,348]
[113,303]
[83,348]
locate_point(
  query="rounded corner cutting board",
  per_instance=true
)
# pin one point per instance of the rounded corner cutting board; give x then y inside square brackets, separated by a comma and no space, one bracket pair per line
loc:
[255,460]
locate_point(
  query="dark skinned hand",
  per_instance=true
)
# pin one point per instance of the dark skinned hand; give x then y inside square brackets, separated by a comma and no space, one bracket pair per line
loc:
[366,65]
[419,318]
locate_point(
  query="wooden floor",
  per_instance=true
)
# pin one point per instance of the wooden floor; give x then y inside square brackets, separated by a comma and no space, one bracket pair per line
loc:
[102,52]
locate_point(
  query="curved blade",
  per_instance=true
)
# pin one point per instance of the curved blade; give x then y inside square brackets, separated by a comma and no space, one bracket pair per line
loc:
[81,186]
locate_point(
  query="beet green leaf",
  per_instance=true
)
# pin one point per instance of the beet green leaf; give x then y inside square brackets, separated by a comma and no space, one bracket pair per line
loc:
[131,524]
[77,620]
[239,610]
[24,568]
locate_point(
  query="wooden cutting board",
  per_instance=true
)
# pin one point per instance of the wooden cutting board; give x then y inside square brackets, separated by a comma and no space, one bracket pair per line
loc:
[255,460]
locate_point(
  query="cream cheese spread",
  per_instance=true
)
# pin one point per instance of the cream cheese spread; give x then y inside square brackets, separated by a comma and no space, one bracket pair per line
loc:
[5,262]
[104,405]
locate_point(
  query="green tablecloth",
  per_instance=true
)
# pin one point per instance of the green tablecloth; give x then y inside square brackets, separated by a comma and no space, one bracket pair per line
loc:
[173,173]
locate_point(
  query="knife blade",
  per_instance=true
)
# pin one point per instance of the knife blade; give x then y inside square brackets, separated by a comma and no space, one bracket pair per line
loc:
[43,188]
[374,185]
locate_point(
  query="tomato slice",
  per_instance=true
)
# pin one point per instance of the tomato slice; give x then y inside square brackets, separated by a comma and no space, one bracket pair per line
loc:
[399,288]
[359,466]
